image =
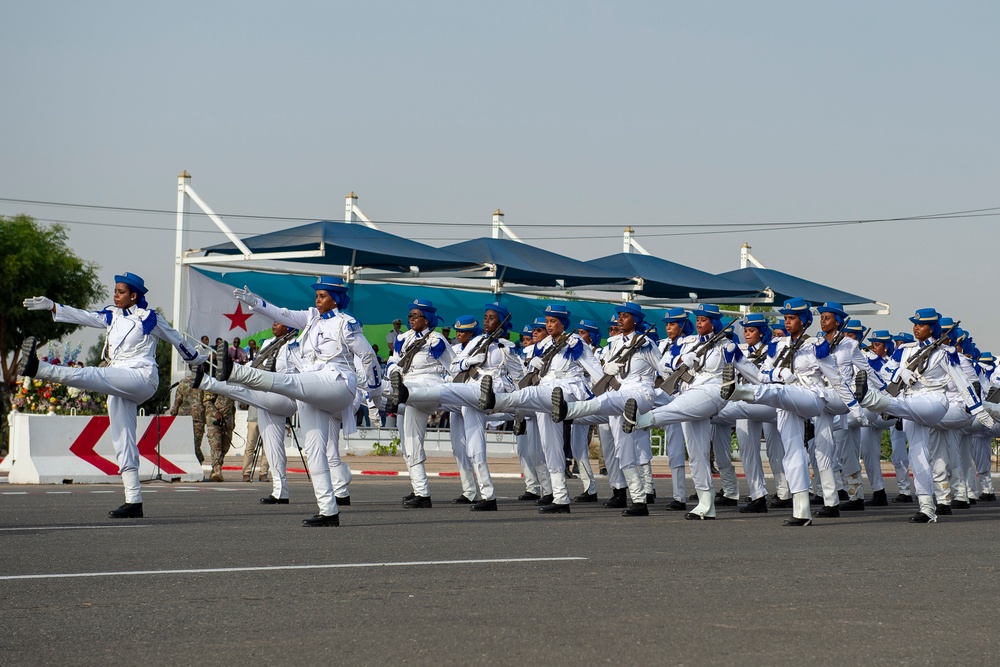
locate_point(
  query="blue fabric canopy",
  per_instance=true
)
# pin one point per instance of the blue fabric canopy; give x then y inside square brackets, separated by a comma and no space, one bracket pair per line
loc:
[664,279]
[523,264]
[786,286]
[382,303]
[350,245]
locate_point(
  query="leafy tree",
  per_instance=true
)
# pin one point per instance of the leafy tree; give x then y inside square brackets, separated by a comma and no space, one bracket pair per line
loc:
[37,261]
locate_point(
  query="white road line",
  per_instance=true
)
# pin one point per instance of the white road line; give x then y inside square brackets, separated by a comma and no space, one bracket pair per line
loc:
[104,491]
[72,527]
[328,566]
[14,493]
[57,493]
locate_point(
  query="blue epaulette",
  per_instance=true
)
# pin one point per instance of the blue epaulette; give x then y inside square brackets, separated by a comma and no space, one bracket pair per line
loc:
[149,323]
[823,349]
[953,358]
[437,349]
[108,315]
[397,344]
[575,349]
[772,348]
[897,356]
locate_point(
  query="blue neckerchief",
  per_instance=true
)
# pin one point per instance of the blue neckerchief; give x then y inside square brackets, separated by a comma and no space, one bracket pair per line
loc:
[703,339]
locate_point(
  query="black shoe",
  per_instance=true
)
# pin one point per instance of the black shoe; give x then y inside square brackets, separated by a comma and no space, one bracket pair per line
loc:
[320,520]
[973,501]
[617,501]
[693,497]
[126,511]
[903,498]
[796,522]
[988,498]
[568,470]
[418,502]
[809,431]
[780,503]
[488,399]
[712,469]
[815,499]
[676,506]
[853,506]
[758,506]
[842,495]
[920,517]
[725,501]
[484,506]
[545,500]
[552,508]
[409,496]
[960,505]
[691,516]
[199,375]
[27,365]
[637,509]
[860,385]
[528,495]
[559,406]
[879,499]
[462,500]
[651,498]
[728,381]
[941,509]
[271,500]
[344,502]
[520,425]
[585,498]
[630,415]
[224,367]
[576,467]
[399,391]
[603,471]
[829,512]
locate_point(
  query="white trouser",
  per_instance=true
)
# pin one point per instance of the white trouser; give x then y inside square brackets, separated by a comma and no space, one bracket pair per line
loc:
[580,446]
[693,409]
[794,404]
[722,445]
[629,450]
[676,456]
[315,424]
[610,448]
[272,432]
[748,434]
[871,452]
[775,450]
[340,472]
[923,412]
[982,455]
[126,388]
[262,400]
[529,453]
[900,458]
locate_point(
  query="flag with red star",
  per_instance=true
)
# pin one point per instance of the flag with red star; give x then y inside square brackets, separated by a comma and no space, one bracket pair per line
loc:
[216,314]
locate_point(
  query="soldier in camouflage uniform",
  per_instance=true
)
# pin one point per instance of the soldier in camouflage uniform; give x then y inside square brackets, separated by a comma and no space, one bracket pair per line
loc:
[220,412]
[188,401]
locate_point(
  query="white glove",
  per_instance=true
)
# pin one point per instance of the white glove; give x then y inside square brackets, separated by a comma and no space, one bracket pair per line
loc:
[247,297]
[785,375]
[907,376]
[612,368]
[394,369]
[536,363]
[984,418]
[39,303]
[474,360]
[690,359]
[858,415]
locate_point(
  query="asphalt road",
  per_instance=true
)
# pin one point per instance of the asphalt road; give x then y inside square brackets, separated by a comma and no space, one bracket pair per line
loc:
[447,586]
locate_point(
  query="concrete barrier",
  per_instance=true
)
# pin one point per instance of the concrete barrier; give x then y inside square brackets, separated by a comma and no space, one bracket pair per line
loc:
[55,449]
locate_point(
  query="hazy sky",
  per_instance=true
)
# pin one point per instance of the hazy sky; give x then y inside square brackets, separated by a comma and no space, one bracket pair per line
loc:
[575,118]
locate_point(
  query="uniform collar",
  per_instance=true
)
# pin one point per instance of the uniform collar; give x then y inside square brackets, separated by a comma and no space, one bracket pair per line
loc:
[330,314]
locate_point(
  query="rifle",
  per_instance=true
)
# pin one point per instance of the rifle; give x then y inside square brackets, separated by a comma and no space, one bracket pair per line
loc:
[841,332]
[271,350]
[622,356]
[992,396]
[682,373]
[787,357]
[920,360]
[532,377]
[406,358]
[481,347]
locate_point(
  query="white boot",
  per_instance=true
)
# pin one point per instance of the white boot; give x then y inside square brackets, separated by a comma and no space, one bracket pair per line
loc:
[781,486]
[431,395]
[544,478]
[875,401]
[560,496]
[680,487]
[418,480]
[531,484]
[469,488]
[903,481]
[730,484]
[647,478]
[486,491]
[705,508]
[251,377]
[927,507]
[743,392]
[800,505]
[828,485]
[587,476]
[855,491]
[578,409]
[636,485]
[133,492]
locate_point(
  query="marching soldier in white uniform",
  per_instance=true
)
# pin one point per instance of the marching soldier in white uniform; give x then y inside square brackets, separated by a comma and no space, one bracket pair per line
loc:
[324,384]
[131,376]
[629,371]
[272,409]
[421,357]
[559,361]
[926,368]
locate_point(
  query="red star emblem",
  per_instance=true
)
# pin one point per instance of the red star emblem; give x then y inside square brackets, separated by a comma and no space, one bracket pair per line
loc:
[239,318]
